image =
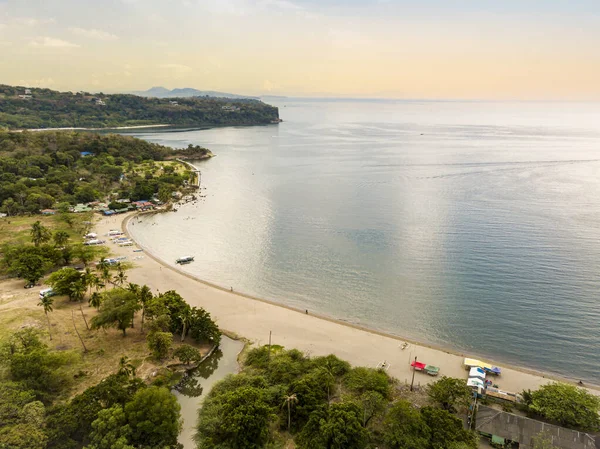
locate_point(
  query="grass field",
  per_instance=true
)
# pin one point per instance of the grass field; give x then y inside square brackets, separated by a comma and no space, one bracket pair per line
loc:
[19,309]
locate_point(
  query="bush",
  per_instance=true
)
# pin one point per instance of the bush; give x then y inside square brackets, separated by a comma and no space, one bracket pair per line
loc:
[160,344]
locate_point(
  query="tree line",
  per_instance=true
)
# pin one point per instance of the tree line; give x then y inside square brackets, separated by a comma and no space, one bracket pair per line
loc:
[53,109]
[60,169]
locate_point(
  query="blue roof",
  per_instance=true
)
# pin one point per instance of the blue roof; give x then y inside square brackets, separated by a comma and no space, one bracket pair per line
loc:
[87,153]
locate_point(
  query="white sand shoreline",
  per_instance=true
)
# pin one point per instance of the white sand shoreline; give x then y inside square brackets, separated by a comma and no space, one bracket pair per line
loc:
[253,318]
[88,129]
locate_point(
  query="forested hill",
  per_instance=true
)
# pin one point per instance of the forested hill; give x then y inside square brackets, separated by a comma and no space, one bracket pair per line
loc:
[23,108]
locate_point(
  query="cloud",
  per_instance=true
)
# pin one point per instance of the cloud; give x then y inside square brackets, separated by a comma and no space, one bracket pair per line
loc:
[32,21]
[280,4]
[51,42]
[93,33]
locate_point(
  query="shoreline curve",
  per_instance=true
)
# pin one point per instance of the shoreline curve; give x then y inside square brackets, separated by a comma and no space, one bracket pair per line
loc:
[540,376]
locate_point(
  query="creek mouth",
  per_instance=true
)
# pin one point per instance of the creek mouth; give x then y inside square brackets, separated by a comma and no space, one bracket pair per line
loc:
[197,383]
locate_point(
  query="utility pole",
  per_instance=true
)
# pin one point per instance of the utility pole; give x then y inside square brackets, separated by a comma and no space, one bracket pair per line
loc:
[269,357]
[413,376]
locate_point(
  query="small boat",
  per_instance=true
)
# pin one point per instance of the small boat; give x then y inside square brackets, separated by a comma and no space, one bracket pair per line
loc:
[184,260]
[429,369]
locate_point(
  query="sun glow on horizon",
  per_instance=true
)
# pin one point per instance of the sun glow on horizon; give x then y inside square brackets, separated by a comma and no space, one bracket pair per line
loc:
[371,48]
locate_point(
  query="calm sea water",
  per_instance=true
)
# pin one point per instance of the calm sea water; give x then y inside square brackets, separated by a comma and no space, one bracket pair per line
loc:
[474,226]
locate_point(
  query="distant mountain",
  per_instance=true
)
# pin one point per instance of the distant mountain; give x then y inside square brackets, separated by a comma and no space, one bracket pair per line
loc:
[162,92]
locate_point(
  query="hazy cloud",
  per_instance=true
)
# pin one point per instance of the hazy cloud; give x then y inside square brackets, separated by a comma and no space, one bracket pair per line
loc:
[32,21]
[93,33]
[51,42]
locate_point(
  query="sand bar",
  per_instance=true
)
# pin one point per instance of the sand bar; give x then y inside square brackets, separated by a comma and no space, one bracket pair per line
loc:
[253,319]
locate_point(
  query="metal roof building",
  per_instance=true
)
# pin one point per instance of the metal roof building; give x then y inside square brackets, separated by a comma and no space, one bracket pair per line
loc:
[503,427]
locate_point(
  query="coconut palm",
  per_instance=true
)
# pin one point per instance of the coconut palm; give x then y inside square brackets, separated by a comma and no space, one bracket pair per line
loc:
[126,368]
[78,289]
[60,238]
[95,300]
[39,233]
[289,400]
[145,295]
[120,277]
[47,302]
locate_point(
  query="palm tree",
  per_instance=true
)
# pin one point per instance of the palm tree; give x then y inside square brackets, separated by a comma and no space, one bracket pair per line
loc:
[90,279]
[145,295]
[39,233]
[126,368]
[95,300]
[78,293]
[185,319]
[289,400]
[47,302]
[60,238]
[329,374]
[120,277]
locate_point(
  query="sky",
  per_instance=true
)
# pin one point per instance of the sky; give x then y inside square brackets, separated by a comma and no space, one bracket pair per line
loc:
[434,49]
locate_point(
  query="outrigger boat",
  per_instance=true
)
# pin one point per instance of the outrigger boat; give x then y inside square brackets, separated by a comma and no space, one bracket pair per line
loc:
[184,260]
[429,369]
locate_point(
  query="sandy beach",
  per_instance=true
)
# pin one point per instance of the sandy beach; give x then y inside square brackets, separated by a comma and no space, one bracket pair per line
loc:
[253,319]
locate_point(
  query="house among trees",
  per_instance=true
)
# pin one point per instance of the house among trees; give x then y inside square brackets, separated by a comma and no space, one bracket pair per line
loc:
[502,428]
[48,211]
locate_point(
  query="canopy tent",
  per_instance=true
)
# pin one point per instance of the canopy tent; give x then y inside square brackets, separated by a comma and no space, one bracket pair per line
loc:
[477,372]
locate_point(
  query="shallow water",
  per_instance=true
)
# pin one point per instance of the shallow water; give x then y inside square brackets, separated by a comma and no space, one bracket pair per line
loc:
[474,226]
[197,384]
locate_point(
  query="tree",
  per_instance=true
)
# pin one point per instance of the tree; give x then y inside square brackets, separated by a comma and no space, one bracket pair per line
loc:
[60,238]
[39,233]
[405,428]
[450,393]
[126,368]
[110,430]
[67,281]
[202,328]
[85,254]
[120,277]
[336,426]
[95,300]
[446,429]
[289,400]
[160,343]
[29,266]
[187,354]
[117,310]
[47,302]
[362,379]
[237,418]
[371,403]
[154,418]
[567,405]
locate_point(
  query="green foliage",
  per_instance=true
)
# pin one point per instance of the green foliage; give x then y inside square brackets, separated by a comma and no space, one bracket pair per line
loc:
[170,309]
[67,281]
[446,429]
[41,170]
[52,109]
[39,234]
[405,428]
[154,418]
[160,344]
[28,265]
[110,430]
[117,309]
[60,238]
[187,354]
[362,379]
[31,363]
[237,418]
[450,393]
[567,405]
[335,427]
[542,441]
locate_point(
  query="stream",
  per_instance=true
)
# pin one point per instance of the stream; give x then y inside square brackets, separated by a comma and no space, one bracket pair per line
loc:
[197,383]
